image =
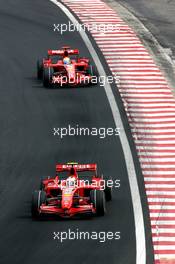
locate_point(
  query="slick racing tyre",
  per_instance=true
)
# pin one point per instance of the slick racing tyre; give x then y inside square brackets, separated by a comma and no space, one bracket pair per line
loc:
[97,198]
[47,76]
[40,69]
[38,198]
[107,190]
[92,71]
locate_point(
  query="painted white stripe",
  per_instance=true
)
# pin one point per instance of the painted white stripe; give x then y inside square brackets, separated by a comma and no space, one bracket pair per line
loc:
[102,20]
[125,47]
[160,214]
[118,38]
[154,118]
[147,109]
[136,69]
[163,257]
[168,186]
[103,17]
[162,200]
[122,56]
[145,96]
[116,51]
[143,136]
[159,238]
[120,34]
[162,222]
[158,165]
[106,20]
[124,53]
[117,42]
[139,78]
[95,12]
[153,142]
[131,87]
[144,82]
[159,179]
[157,148]
[155,154]
[103,32]
[153,114]
[143,88]
[115,39]
[162,207]
[132,59]
[152,110]
[164,247]
[130,66]
[159,172]
[135,196]
[159,160]
[160,193]
[163,230]
[153,125]
[157,132]
[119,46]
[142,100]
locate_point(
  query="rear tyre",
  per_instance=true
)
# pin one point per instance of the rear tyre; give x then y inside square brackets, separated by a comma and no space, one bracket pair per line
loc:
[108,190]
[39,69]
[92,71]
[47,76]
[38,198]
[98,199]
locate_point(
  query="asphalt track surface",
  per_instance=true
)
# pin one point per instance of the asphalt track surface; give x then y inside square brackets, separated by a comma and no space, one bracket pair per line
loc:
[28,113]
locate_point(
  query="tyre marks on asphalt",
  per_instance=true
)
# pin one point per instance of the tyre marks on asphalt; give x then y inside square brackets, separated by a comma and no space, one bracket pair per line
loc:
[150,107]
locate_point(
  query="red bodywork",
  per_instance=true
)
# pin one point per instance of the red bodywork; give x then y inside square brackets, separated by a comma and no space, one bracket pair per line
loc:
[67,200]
[73,74]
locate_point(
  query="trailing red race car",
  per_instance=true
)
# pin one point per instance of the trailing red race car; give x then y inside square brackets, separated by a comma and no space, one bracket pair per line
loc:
[65,67]
[69,193]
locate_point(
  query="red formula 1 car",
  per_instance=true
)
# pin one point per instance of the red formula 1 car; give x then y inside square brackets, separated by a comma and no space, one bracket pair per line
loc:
[65,67]
[75,190]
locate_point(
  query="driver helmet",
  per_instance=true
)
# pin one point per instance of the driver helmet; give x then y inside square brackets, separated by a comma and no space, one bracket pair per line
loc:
[66,61]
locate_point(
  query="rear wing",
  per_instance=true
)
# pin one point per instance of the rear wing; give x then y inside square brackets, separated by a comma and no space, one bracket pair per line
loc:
[61,52]
[77,167]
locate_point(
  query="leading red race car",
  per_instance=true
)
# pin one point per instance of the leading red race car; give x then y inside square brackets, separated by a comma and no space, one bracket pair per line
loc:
[69,193]
[64,67]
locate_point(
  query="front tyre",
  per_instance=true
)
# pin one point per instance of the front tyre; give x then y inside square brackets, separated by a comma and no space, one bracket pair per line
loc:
[98,200]
[38,198]
[47,77]
[39,69]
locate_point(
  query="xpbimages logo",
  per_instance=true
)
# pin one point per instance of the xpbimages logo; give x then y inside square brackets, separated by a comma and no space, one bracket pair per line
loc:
[101,132]
[101,80]
[102,184]
[101,236]
[92,27]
